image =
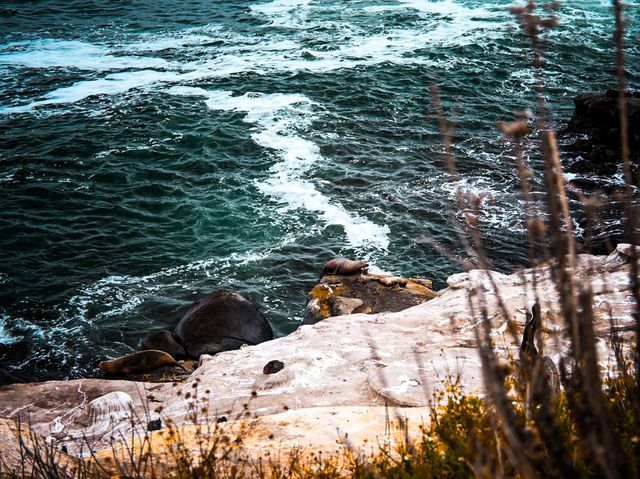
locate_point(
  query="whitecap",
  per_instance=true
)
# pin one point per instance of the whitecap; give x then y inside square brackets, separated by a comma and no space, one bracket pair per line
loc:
[113,84]
[280,117]
[48,53]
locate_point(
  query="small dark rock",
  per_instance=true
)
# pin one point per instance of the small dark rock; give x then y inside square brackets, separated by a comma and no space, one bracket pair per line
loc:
[273,367]
[154,425]
[221,419]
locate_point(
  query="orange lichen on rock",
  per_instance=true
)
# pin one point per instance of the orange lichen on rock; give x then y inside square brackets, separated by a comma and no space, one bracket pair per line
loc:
[337,295]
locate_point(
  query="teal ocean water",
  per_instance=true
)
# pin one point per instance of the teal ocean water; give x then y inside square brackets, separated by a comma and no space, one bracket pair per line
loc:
[154,151]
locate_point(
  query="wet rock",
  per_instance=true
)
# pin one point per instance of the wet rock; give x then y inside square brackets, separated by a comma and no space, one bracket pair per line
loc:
[596,120]
[592,136]
[7,378]
[164,340]
[337,295]
[221,321]
[342,306]
[592,152]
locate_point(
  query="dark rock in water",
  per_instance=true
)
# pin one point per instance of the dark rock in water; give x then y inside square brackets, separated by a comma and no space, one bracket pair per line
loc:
[7,378]
[592,150]
[337,295]
[221,321]
[164,340]
[592,136]
[273,367]
[597,116]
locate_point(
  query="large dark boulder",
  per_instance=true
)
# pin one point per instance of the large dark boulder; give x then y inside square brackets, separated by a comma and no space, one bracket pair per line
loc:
[164,340]
[592,136]
[221,321]
[592,151]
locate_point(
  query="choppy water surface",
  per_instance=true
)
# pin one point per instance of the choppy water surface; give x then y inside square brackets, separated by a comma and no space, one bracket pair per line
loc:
[153,151]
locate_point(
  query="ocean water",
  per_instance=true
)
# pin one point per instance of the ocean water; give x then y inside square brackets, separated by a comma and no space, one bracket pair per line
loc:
[154,151]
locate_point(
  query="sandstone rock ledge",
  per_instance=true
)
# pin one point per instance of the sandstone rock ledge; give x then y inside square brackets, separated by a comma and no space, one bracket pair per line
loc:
[340,364]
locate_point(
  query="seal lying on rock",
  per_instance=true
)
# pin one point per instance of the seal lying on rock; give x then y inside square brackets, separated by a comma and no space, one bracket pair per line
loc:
[344,267]
[221,321]
[138,362]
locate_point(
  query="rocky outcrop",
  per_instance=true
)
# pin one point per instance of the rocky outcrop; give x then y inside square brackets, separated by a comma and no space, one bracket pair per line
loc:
[220,321]
[592,154]
[594,130]
[359,360]
[338,295]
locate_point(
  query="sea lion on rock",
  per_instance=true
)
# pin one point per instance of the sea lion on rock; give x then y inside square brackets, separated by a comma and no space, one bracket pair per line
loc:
[221,321]
[138,362]
[344,267]
[164,341]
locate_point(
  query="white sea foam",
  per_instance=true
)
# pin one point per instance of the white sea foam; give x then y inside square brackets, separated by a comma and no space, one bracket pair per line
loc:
[280,117]
[110,85]
[501,208]
[283,13]
[49,53]
[241,54]
[5,337]
[452,23]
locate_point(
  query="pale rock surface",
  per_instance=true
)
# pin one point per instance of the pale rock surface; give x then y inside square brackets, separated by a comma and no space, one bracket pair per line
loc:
[358,429]
[359,360]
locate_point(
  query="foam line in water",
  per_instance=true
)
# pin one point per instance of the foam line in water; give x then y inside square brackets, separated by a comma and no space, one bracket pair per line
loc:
[280,116]
[262,54]
[278,7]
[113,84]
[49,53]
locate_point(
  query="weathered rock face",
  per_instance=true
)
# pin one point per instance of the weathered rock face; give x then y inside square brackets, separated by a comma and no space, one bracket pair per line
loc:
[592,150]
[221,321]
[358,360]
[596,116]
[338,295]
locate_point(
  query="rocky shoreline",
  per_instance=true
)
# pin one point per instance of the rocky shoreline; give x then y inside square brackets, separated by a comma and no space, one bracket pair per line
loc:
[367,342]
[341,363]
